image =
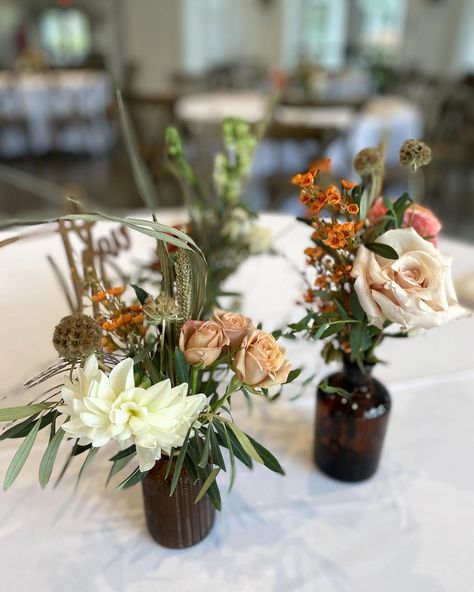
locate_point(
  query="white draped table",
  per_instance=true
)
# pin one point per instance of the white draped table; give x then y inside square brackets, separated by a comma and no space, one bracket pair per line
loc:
[65,110]
[410,528]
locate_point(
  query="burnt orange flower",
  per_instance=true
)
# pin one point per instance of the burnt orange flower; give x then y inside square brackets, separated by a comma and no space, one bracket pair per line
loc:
[353,209]
[346,348]
[117,291]
[308,296]
[349,185]
[335,240]
[99,296]
[322,165]
[303,179]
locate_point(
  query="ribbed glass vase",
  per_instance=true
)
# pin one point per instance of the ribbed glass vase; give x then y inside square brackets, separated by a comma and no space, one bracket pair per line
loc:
[175,522]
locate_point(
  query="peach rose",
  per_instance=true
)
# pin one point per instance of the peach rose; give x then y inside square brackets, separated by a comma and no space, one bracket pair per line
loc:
[202,342]
[415,291]
[261,361]
[235,325]
[421,219]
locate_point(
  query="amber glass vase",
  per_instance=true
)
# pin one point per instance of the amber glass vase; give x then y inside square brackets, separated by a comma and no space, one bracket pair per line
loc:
[175,522]
[350,430]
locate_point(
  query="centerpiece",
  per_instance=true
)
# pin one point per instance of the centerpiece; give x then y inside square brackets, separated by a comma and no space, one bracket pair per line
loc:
[150,378]
[374,272]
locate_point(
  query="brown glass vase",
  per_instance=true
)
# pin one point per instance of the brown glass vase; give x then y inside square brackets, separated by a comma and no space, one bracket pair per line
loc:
[175,522]
[350,430]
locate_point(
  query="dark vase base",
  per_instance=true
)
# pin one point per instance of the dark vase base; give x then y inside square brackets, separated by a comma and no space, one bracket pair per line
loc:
[350,431]
[175,522]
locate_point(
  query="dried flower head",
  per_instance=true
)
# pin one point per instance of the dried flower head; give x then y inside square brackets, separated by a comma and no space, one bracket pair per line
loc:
[163,308]
[183,274]
[414,153]
[76,336]
[369,161]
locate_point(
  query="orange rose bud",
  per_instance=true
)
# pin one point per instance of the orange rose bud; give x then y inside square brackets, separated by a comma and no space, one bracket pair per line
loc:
[353,209]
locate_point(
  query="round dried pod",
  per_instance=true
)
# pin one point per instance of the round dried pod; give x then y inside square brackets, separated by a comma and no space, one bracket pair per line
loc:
[414,153]
[76,336]
[369,161]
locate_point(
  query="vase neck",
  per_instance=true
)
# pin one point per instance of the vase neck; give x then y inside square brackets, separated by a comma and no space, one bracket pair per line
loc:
[354,375]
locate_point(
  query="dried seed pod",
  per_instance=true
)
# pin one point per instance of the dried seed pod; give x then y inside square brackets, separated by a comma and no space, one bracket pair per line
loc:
[369,161]
[414,153]
[76,336]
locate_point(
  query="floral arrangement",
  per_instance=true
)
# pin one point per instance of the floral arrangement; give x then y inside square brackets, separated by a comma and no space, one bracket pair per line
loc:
[374,267]
[146,376]
[222,225]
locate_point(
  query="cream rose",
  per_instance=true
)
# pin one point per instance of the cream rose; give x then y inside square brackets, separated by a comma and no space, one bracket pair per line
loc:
[235,325]
[416,290]
[202,342]
[261,361]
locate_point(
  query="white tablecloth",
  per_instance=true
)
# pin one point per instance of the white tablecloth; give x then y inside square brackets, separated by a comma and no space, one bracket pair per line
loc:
[408,529]
[64,110]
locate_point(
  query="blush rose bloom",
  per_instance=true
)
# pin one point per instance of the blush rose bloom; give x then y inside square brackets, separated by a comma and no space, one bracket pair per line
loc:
[421,219]
[235,325]
[202,342]
[261,361]
[416,290]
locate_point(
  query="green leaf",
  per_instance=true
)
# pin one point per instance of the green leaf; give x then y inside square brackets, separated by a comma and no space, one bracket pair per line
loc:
[267,457]
[204,461]
[207,483]
[227,437]
[87,462]
[20,430]
[117,466]
[382,250]
[142,295]
[124,453]
[356,338]
[400,207]
[293,375]
[356,308]
[179,462]
[244,441]
[181,367]
[13,413]
[47,462]
[216,454]
[20,457]
[332,390]
[142,176]
[132,479]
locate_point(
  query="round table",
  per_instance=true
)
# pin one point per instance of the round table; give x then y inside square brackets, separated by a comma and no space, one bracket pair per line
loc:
[408,528]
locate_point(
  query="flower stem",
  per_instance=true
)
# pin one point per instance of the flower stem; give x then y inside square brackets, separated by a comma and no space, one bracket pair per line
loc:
[194,379]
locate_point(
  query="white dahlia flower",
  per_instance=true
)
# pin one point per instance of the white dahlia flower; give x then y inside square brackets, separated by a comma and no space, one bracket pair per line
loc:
[105,407]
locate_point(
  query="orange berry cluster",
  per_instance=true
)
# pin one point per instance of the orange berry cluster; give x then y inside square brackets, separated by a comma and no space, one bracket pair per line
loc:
[103,294]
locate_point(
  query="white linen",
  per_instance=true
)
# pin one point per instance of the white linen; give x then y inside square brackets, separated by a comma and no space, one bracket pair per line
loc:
[406,529]
[41,100]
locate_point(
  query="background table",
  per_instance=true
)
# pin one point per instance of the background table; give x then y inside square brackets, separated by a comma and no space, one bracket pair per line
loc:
[409,528]
[62,110]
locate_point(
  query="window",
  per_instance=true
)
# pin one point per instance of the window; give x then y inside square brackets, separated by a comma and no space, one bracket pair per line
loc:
[65,36]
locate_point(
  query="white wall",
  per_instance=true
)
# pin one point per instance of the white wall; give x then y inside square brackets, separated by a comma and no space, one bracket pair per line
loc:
[151,32]
[434,34]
